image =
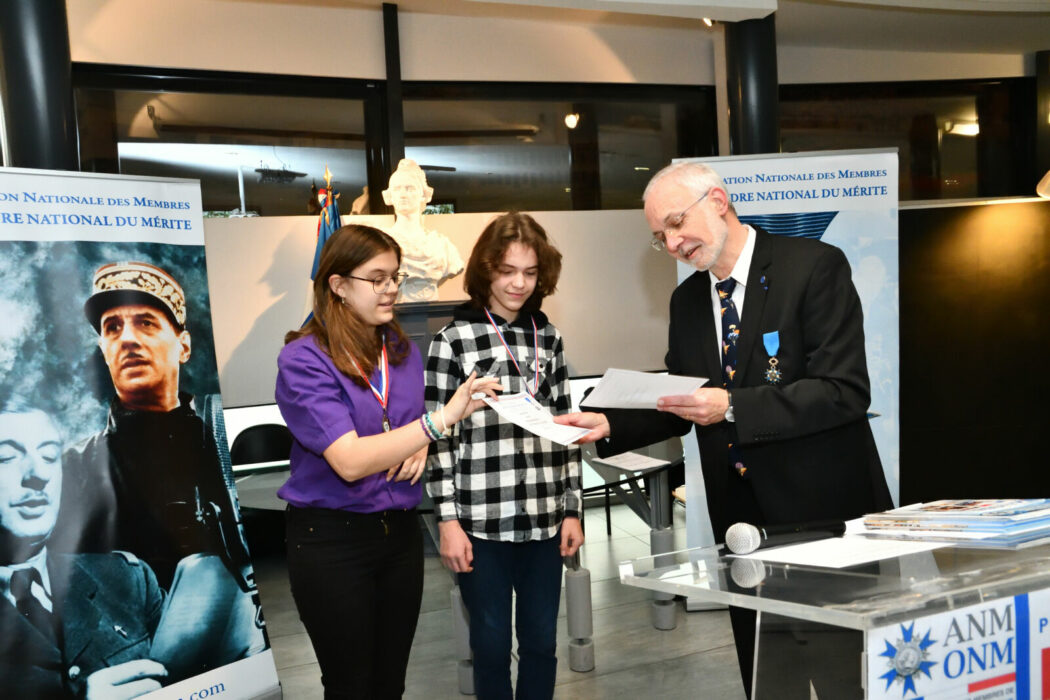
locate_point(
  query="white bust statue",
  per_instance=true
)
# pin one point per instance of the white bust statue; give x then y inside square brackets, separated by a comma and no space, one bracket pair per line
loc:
[428,257]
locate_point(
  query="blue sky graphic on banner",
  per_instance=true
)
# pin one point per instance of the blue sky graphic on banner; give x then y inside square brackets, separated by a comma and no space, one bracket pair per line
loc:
[803,225]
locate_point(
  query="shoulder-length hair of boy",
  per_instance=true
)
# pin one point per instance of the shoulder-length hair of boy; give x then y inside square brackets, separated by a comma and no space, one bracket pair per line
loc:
[338,329]
[485,259]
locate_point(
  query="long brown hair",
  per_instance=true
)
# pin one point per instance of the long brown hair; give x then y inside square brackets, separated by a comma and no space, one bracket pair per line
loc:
[338,329]
[485,259]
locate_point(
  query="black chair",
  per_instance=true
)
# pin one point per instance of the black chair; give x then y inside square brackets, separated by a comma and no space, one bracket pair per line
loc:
[269,442]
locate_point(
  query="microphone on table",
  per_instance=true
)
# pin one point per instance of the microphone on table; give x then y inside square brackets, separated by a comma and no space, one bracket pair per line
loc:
[744,538]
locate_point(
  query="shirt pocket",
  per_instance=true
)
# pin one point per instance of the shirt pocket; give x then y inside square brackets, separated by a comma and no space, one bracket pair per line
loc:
[547,386]
[485,366]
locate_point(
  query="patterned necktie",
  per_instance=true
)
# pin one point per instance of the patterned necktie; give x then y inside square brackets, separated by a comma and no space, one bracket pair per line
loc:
[32,609]
[730,333]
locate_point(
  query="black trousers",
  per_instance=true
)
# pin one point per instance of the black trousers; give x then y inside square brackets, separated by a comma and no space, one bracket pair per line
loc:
[794,653]
[741,506]
[357,581]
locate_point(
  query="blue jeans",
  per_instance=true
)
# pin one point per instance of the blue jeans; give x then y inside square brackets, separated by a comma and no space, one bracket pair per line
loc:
[533,571]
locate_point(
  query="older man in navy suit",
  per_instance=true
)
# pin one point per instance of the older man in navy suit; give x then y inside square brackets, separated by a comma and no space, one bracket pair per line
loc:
[775,323]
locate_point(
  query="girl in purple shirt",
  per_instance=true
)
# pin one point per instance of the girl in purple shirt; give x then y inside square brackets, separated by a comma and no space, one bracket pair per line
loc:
[350,388]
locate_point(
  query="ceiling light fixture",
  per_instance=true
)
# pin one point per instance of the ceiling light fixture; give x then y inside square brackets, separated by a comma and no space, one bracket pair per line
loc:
[572,119]
[709,22]
[962,128]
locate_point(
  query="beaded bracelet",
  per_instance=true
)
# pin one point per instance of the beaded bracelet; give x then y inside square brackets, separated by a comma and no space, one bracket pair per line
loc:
[431,433]
[431,428]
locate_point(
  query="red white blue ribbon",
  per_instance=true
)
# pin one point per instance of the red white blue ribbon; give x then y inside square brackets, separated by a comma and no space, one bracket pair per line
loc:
[536,343]
[382,392]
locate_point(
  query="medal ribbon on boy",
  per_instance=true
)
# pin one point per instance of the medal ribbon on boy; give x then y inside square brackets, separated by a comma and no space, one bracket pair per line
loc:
[536,343]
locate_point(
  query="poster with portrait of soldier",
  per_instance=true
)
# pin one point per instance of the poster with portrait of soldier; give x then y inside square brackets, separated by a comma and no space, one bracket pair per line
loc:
[123,564]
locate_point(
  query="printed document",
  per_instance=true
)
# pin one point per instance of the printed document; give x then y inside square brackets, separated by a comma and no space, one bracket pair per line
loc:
[524,411]
[625,388]
[841,552]
[630,461]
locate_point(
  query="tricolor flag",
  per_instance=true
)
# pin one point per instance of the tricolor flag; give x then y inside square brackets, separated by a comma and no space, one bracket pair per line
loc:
[327,223]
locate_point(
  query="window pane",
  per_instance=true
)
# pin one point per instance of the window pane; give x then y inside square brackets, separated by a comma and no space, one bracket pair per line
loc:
[278,145]
[495,155]
[955,140]
[635,139]
[937,158]
[491,155]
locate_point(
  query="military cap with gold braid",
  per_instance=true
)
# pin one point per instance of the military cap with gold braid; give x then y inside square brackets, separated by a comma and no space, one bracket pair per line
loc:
[124,283]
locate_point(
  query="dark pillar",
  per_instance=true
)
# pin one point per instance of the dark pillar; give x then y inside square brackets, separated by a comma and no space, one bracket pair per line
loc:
[377,155]
[395,114]
[924,164]
[39,118]
[751,72]
[584,170]
[1042,127]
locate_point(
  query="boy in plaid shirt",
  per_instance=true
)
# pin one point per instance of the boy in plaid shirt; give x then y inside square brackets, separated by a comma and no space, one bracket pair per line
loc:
[508,501]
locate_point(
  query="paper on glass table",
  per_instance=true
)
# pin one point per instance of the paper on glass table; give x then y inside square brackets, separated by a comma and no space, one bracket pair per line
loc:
[840,552]
[524,411]
[625,388]
[630,461]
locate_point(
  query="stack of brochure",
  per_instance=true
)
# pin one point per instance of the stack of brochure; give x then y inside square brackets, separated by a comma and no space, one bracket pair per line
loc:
[1011,522]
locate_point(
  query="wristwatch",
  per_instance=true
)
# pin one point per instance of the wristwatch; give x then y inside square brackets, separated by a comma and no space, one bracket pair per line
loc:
[730,416]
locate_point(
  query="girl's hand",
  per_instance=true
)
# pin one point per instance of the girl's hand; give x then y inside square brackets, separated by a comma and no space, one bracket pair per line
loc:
[412,468]
[462,405]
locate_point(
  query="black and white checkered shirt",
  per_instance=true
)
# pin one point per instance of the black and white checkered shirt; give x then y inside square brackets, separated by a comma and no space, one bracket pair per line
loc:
[501,482]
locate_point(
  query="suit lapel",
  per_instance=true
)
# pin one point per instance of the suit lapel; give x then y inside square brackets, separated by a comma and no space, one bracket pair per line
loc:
[754,303]
[20,640]
[709,339]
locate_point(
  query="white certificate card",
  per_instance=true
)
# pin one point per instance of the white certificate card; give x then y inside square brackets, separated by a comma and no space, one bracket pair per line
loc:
[625,388]
[524,411]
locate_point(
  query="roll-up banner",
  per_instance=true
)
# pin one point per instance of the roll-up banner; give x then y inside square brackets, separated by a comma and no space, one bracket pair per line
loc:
[847,199]
[122,555]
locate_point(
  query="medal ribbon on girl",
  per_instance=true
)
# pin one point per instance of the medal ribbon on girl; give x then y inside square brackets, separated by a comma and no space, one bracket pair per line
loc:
[536,343]
[382,394]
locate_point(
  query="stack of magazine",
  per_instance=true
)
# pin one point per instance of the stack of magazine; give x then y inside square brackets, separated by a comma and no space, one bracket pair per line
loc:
[1011,522]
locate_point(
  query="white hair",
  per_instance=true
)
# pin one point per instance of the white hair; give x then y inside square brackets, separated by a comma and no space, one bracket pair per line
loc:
[697,177]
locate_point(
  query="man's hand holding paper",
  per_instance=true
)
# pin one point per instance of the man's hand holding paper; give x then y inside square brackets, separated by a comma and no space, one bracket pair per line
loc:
[624,388]
[596,423]
[621,388]
[704,406]
[524,411]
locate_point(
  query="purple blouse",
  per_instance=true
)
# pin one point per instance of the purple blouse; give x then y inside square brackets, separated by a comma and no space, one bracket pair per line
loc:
[320,404]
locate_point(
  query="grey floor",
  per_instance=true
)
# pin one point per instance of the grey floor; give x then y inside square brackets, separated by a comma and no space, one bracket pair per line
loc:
[632,659]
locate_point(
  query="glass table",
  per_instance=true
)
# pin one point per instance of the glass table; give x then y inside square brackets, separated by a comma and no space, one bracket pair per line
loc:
[946,623]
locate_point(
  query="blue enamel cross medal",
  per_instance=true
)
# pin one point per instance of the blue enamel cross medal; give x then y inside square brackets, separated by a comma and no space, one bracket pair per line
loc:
[771,341]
